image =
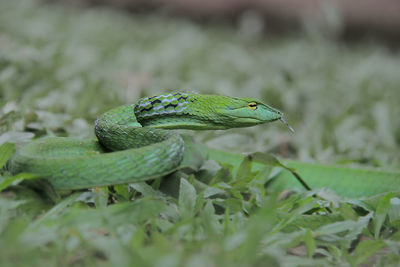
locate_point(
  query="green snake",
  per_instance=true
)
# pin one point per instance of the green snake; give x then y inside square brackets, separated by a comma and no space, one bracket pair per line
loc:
[133,144]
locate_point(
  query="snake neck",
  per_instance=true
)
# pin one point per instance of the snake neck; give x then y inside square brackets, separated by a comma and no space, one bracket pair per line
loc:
[171,111]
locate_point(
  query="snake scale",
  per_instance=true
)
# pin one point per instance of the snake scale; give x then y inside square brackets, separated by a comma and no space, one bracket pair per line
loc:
[132,141]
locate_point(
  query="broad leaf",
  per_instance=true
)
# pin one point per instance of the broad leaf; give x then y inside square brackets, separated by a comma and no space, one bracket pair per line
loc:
[187,199]
[6,150]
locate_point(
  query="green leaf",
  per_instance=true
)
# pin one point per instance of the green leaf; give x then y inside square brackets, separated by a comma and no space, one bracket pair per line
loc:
[366,249]
[122,190]
[210,219]
[226,223]
[223,175]
[233,204]
[187,199]
[335,251]
[145,189]
[353,182]
[6,206]
[270,160]
[59,208]
[138,238]
[347,211]
[244,170]
[394,212]
[101,196]
[199,203]
[6,150]
[346,231]
[310,243]
[212,191]
[16,179]
[381,213]
[266,159]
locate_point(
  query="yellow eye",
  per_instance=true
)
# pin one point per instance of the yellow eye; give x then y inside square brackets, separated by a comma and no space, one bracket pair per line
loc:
[252,105]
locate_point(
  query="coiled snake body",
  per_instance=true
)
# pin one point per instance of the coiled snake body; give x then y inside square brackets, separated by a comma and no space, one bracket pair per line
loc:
[133,144]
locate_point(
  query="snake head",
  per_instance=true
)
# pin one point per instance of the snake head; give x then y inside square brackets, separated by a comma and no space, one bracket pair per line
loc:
[248,111]
[244,112]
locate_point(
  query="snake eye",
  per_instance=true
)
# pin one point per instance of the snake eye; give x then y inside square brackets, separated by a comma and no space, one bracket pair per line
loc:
[252,105]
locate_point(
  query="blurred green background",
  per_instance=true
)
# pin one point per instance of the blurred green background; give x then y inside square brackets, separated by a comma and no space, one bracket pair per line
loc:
[69,64]
[62,65]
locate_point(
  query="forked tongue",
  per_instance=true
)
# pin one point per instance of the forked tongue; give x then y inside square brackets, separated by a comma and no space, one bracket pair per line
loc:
[282,119]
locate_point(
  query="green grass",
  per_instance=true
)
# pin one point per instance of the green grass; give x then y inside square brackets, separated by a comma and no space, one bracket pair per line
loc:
[60,67]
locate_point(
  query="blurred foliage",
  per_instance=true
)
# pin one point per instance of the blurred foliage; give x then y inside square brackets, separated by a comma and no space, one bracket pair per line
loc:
[60,67]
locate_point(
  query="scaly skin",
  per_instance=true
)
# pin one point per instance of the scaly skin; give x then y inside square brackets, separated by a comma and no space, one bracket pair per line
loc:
[132,144]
